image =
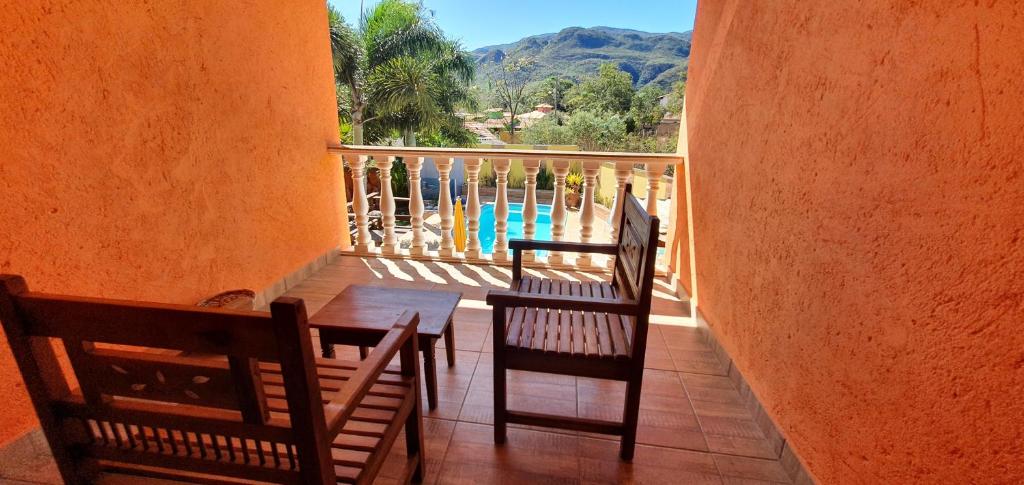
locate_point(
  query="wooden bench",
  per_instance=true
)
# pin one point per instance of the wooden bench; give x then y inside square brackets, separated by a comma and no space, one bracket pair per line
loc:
[588,329]
[209,395]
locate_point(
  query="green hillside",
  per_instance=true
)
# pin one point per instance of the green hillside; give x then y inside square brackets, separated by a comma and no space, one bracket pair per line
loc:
[577,52]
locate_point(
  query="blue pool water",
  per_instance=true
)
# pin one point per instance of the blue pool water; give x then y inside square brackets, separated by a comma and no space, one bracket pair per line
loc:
[515,225]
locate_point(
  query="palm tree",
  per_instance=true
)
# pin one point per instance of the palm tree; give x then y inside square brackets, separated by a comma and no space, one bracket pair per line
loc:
[398,71]
[423,92]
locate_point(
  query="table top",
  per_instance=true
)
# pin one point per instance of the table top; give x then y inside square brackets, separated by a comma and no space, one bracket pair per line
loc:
[361,307]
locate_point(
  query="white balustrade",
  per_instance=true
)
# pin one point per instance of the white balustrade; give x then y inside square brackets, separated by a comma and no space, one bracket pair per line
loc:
[531,168]
[654,173]
[622,172]
[360,206]
[473,250]
[558,210]
[590,169]
[501,168]
[413,166]
[356,158]
[444,206]
[387,204]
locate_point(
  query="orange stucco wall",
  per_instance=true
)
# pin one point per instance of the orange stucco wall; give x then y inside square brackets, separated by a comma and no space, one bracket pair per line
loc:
[859,227]
[679,243]
[162,151]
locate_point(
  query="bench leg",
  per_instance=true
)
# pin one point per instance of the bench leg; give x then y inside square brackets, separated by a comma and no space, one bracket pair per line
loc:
[500,401]
[363,352]
[430,374]
[630,417]
[414,445]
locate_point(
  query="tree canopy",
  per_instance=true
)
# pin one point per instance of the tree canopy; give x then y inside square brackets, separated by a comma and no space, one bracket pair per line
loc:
[398,73]
[610,91]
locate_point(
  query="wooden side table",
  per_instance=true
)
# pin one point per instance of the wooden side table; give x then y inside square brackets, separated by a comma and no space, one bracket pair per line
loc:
[361,315]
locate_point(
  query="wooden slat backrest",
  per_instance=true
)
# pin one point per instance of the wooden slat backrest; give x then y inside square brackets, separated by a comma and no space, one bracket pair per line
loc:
[206,405]
[634,264]
[638,232]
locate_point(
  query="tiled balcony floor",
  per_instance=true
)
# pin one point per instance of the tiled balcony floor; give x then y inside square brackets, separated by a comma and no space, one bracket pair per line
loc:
[693,425]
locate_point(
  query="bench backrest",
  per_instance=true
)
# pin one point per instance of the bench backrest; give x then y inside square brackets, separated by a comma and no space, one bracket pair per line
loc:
[168,386]
[638,249]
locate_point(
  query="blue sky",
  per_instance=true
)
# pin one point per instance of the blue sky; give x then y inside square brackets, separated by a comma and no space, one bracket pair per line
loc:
[480,23]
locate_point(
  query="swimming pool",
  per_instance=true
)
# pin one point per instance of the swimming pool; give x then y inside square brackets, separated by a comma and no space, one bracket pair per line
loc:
[515,225]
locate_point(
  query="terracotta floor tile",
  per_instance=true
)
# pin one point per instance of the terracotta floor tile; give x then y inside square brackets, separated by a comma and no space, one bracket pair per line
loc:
[698,362]
[749,447]
[479,406]
[437,434]
[600,463]
[527,455]
[751,468]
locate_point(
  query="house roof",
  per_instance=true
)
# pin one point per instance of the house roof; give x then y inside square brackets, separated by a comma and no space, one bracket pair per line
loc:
[483,134]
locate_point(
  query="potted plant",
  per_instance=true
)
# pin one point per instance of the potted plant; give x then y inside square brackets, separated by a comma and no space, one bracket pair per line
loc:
[573,190]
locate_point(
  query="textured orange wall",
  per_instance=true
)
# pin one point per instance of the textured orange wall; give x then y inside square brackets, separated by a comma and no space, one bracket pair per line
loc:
[679,244]
[162,151]
[859,226]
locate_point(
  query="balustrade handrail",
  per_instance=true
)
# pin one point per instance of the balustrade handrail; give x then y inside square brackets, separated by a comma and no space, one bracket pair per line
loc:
[503,154]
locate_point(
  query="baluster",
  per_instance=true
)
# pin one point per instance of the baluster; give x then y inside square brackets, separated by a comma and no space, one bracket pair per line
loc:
[590,170]
[622,172]
[413,165]
[558,212]
[387,204]
[531,167]
[654,172]
[444,206]
[473,207]
[360,207]
[501,168]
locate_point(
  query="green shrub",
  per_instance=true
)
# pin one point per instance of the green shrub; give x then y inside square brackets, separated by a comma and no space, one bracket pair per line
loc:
[545,179]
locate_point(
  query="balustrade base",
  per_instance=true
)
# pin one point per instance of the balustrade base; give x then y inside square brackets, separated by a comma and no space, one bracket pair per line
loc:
[537,263]
[365,248]
[474,254]
[389,249]
[446,253]
[556,258]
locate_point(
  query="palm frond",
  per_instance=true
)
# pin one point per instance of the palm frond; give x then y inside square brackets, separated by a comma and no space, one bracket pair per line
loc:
[404,83]
[346,48]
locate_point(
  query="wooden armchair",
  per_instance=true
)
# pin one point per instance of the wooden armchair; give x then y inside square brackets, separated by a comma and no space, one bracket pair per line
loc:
[246,401]
[588,329]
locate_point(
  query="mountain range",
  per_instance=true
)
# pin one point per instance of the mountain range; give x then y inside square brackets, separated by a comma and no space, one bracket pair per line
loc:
[576,52]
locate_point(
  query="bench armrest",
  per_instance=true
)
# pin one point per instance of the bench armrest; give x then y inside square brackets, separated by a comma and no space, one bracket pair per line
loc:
[340,408]
[519,245]
[515,299]
[528,244]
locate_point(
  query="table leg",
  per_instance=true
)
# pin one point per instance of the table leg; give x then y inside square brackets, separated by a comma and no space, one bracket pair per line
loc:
[430,373]
[326,348]
[449,344]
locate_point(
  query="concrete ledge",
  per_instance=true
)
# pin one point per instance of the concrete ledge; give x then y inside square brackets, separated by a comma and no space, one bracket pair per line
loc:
[279,287]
